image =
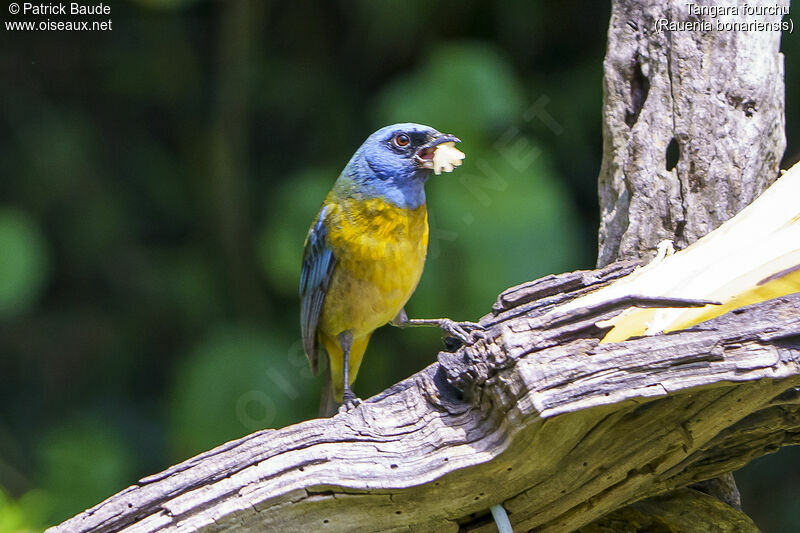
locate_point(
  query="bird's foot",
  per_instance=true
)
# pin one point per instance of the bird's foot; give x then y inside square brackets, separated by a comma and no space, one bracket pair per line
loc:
[351,401]
[463,331]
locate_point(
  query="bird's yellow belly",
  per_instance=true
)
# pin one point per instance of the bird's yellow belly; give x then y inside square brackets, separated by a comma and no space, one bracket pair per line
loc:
[380,255]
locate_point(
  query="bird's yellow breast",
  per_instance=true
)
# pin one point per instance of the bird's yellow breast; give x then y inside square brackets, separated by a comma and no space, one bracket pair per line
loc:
[380,254]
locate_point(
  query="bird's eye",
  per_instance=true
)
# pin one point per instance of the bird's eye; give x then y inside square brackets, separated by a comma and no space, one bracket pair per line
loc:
[401,140]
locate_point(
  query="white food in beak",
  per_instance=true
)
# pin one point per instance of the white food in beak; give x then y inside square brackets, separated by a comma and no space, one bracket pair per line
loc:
[446,158]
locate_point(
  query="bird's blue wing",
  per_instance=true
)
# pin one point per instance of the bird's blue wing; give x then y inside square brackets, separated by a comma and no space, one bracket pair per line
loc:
[318,265]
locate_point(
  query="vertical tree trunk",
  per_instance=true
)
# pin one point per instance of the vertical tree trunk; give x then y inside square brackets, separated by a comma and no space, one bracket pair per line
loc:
[693,122]
[693,118]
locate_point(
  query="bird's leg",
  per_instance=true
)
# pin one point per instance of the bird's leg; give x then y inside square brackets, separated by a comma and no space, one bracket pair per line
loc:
[350,399]
[463,331]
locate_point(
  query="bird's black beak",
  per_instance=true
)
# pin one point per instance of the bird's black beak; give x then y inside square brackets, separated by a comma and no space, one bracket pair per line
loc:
[424,155]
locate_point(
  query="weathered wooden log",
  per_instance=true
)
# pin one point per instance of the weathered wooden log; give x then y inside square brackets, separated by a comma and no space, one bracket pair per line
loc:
[681,510]
[536,415]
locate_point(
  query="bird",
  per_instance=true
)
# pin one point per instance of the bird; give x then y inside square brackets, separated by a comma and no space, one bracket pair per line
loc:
[365,252]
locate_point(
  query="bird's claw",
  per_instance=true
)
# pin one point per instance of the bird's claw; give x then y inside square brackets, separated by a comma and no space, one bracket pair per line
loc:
[463,331]
[351,401]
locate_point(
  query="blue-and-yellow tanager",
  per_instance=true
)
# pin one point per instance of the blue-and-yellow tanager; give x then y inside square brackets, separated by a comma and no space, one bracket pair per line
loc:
[365,251]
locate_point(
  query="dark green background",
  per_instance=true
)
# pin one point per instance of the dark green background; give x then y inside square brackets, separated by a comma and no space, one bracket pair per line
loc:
[157,182]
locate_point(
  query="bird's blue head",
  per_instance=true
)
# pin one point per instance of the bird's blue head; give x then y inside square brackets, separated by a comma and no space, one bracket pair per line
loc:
[393,164]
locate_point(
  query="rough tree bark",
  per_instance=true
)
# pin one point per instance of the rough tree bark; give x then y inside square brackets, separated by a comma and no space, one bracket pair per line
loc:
[693,132]
[537,416]
[717,95]
[565,432]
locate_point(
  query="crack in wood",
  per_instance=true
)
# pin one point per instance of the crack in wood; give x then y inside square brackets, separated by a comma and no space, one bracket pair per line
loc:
[573,436]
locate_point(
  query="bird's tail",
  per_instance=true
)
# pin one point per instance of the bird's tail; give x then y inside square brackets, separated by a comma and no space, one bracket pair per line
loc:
[334,384]
[327,403]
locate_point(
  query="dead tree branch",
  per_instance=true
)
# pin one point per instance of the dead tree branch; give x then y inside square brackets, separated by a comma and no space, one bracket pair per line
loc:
[536,415]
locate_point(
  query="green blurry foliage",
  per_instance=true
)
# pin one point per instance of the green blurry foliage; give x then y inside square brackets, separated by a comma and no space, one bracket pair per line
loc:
[81,463]
[467,88]
[27,514]
[24,262]
[290,209]
[70,143]
[237,380]
[382,39]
